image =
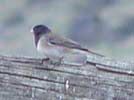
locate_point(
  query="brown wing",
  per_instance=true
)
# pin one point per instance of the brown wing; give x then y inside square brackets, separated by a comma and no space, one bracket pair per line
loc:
[62,41]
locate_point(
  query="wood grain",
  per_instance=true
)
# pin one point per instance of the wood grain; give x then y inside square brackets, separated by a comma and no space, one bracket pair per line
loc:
[23,78]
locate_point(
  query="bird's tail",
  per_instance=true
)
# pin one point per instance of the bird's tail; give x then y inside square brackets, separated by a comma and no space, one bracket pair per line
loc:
[95,53]
[87,55]
[91,52]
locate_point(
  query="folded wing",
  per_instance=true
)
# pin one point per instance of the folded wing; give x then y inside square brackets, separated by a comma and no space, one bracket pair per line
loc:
[65,42]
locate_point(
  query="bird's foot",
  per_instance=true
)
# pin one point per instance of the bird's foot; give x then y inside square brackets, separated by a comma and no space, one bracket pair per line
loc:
[57,62]
[44,60]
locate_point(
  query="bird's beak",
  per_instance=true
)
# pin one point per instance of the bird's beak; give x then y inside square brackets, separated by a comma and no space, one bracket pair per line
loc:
[31,30]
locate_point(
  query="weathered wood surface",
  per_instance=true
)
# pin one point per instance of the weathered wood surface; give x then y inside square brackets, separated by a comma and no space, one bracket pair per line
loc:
[28,79]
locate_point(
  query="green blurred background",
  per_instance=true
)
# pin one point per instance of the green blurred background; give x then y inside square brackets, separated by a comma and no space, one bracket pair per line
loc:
[104,26]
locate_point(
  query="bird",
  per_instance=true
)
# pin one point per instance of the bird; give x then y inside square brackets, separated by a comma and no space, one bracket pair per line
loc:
[56,46]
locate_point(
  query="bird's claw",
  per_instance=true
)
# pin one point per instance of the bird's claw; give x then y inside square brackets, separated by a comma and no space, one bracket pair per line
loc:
[44,59]
[57,63]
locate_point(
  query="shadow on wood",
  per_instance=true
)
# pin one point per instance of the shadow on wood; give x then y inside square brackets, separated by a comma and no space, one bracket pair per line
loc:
[28,79]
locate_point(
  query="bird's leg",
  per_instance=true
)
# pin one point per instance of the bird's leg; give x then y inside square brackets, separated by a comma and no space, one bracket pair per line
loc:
[57,63]
[44,59]
[61,59]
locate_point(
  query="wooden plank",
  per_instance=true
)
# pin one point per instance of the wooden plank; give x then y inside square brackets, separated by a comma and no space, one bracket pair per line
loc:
[28,79]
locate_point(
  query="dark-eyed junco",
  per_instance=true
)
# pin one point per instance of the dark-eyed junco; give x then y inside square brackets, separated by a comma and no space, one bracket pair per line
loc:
[55,46]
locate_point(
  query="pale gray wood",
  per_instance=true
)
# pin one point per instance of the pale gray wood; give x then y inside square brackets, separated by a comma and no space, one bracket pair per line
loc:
[23,78]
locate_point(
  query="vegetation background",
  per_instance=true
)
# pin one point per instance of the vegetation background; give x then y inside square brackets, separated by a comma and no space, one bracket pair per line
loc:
[104,26]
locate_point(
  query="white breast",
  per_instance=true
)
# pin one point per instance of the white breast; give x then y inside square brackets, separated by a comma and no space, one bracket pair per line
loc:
[49,50]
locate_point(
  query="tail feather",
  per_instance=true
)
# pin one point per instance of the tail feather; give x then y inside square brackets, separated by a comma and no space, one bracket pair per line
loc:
[86,50]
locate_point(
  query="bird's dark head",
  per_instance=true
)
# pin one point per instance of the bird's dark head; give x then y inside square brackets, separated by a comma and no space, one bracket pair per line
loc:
[40,30]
